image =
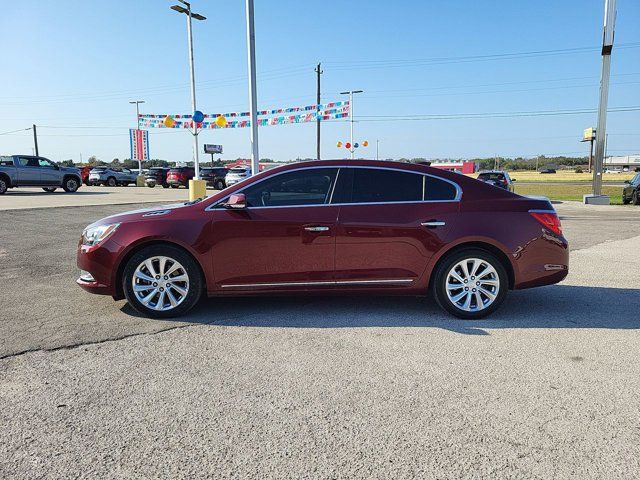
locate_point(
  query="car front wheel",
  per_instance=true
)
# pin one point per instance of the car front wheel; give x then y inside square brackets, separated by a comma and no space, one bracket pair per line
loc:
[162,281]
[635,198]
[470,283]
[3,186]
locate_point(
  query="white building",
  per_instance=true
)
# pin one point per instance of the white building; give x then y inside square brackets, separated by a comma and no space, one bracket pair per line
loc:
[624,163]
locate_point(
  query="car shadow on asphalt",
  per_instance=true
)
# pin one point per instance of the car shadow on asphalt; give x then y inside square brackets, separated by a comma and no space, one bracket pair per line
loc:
[559,306]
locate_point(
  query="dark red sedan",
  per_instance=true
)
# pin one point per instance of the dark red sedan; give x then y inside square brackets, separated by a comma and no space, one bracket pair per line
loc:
[337,226]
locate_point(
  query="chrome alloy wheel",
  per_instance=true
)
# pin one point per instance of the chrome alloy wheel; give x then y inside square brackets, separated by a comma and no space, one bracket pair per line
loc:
[160,283]
[472,284]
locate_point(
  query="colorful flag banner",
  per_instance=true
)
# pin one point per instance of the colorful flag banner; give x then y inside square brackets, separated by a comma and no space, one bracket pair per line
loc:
[139,144]
[312,113]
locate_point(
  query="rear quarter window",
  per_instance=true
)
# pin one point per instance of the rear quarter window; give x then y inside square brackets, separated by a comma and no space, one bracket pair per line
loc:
[6,162]
[437,189]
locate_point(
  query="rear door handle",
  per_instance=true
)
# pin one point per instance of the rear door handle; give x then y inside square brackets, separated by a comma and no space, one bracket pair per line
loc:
[433,224]
[316,228]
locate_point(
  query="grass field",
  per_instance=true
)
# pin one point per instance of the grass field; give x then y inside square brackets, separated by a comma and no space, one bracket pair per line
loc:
[568,192]
[568,176]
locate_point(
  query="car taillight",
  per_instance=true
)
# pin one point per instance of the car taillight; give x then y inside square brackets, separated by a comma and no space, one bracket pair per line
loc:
[548,219]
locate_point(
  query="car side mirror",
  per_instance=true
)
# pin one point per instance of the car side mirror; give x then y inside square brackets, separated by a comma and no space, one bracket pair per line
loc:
[237,201]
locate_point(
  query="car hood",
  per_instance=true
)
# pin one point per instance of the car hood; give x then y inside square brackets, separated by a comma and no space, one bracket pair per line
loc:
[143,214]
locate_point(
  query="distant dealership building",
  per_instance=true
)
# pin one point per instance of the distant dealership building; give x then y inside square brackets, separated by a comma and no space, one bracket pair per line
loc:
[461,166]
[630,162]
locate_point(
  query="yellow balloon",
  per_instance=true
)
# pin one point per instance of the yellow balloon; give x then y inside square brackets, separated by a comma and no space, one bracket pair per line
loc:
[365,143]
[339,144]
[221,121]
[169,121]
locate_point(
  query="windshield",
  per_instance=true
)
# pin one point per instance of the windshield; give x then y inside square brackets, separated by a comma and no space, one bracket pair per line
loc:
[491,176]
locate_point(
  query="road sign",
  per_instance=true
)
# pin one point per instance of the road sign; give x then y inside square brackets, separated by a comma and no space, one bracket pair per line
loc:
[139,142]
[589,134]
[213,149]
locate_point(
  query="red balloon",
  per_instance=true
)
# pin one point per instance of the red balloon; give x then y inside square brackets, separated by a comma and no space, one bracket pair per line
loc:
[347,145]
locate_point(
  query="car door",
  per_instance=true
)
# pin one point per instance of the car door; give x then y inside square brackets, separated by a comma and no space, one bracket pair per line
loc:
[28,171]
[284,239]
[49,172]
[390,224]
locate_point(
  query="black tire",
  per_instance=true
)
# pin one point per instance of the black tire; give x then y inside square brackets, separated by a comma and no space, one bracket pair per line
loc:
[196,282]
[635,198]
[111,182]
[174,186]
[151,185]
[49,189]
[625,200]
[439,282]
[87,183]
[219,185]
[71,184]
[4,185]
[164,185]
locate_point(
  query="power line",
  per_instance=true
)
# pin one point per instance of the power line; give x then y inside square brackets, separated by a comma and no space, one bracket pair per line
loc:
[455,116]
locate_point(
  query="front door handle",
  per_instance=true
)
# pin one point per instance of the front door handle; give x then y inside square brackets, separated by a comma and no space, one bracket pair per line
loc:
[317,228]
[433,224]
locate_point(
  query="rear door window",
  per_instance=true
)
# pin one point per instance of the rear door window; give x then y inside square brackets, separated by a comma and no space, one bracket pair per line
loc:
[381,185]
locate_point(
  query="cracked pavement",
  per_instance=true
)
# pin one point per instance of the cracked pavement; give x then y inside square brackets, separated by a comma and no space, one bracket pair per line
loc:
[319,387]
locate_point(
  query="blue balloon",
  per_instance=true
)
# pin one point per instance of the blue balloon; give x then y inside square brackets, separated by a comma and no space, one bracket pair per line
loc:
[355,145]
[198,116]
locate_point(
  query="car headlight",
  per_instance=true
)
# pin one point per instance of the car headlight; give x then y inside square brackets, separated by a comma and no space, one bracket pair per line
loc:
[94,235]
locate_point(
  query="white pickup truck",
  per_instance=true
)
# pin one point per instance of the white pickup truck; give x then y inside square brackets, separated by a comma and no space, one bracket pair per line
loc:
[31,171]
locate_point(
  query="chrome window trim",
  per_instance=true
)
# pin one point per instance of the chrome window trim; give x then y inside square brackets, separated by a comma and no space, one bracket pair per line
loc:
[389,281]
[457,198]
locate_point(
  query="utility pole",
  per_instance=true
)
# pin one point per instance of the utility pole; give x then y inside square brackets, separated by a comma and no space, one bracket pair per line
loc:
[35,140]
[350,93]
[319,72]
[253,101]
[137,103]
[187,11]
[607,47]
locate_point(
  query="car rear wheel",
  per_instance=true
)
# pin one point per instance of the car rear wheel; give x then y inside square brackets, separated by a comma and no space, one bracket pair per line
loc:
[470,283]
[162,281]
[164,185]
[111,181]
[219,185]
[635,198]
[49,189]
[70,184]
[3,185]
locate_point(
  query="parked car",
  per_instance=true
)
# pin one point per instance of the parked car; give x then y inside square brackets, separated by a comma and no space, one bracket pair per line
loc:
[180,176]
[631,190]
[333,226]
[237,174]
[32,171]
[84,174]
[547,170]
[215,177]
[156,176]
[498,178]
[111,176]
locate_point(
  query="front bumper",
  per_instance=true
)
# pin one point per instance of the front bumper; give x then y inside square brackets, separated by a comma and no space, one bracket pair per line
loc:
[97,267]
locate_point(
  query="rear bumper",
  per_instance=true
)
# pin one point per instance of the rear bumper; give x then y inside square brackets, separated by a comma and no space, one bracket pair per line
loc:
[544,261]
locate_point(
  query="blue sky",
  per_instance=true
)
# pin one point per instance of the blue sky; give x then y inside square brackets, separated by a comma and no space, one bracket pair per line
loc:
[76,64]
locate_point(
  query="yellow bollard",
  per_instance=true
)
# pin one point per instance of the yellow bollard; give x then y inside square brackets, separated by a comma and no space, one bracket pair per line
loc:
[197,189]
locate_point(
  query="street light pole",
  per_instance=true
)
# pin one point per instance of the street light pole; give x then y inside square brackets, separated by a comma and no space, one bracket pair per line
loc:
[253,101]
[350,93]
[607,47]
[137,103]
[187,11]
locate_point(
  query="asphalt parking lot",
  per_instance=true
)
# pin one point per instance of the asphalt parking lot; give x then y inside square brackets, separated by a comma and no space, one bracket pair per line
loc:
[319,387]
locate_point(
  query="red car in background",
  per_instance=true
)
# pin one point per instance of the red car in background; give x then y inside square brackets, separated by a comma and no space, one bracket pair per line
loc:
[340,226]
[180,176]
[84,174]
